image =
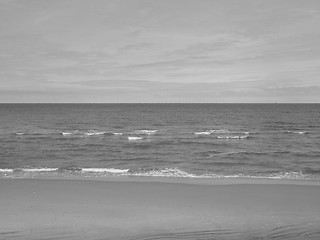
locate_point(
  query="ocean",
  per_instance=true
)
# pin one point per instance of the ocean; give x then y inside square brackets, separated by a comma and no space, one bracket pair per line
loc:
[277,141]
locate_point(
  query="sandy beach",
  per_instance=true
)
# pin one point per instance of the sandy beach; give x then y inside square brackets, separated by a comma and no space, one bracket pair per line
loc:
[126,209]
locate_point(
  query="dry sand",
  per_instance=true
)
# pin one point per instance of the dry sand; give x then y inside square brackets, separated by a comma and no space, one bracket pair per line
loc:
[126,209]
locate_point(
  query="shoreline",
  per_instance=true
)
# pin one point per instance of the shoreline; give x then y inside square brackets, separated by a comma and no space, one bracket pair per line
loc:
[173,180]
[130,208]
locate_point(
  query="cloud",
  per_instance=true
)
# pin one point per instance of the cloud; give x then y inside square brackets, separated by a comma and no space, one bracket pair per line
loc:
[249,50]
[136,47]
[146,91]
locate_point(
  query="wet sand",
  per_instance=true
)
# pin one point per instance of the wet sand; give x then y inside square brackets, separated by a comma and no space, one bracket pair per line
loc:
[143,209]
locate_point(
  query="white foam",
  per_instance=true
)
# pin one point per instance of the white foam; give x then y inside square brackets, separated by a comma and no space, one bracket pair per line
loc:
[167,172]
[297,132]
[202,133]
[227,153]
[145,132]
[89,133]
[104,170]
[72,132]
[5,170]
[280,175]
[19,133]
[176,172]
[233,137]
[286,175]
[39,169]
[134,138]
[117,134]
[219,131]
[93,133]
[213,131]
[66,133]
[246,133]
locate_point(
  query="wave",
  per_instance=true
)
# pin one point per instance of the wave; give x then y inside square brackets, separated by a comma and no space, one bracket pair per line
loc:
[94,133]
[28,170]
[216,153]
[165,172]
[6,170]
[63,169]
[202,133]
[233,137]
[209,132]
[297,132]
[104,170]
[118,134]
[220,131]
[309,230]
[135,138]
[84,133]
[145,132]
[39,133]
[35,170]
[97,133]
[65,133]
[90,133]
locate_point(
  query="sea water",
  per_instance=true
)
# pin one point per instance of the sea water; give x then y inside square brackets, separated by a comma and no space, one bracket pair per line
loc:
[280,141]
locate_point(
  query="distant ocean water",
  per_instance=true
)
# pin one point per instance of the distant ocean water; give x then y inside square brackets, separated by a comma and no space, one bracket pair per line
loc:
[280,141]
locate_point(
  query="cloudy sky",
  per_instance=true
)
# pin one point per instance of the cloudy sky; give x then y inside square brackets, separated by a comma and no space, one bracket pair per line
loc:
[159,51]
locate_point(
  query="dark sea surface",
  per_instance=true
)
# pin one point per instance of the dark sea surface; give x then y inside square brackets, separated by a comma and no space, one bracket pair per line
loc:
[279,141]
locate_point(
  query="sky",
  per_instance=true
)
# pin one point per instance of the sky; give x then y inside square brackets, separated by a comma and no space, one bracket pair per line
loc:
[114,51]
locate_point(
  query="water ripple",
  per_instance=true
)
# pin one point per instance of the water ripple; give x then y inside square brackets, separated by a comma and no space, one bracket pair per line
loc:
[290,232]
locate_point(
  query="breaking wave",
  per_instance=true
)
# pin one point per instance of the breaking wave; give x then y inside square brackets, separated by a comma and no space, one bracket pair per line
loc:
[220,131]
[84,133]
[104,170]
[297,132]
[145,132]
[233,137]
[35,170]
[5,170]
[65,133]
[208,132]
[135,138]
[118,134]
[164,172]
